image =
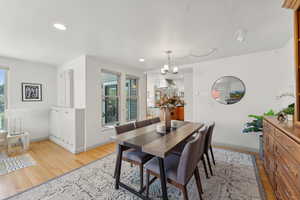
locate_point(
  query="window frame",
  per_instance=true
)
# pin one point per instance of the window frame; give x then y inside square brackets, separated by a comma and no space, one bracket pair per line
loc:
[6,69]
[128,76]
[118,97]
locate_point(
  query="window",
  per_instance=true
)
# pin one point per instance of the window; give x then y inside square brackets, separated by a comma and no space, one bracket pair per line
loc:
[131,98]
[2,97]
[110,97]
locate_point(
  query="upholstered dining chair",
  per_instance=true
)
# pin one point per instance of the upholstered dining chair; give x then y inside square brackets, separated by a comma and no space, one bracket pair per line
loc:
[133,156]
[140,124]
[155,120]
[208,146]
[180,169]
[179,149]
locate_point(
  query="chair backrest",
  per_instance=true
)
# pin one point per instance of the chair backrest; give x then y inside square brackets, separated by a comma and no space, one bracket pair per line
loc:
[190,157]
[210,131]
[155,120]
[124,128]
[140,124]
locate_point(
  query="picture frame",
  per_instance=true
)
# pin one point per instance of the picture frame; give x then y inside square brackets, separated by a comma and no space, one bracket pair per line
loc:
[32,92]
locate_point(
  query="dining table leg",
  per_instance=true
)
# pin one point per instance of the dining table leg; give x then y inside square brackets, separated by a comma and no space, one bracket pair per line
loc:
[163,178]
[118,166]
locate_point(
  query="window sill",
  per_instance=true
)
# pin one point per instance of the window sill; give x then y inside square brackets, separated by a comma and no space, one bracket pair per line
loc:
[107,128]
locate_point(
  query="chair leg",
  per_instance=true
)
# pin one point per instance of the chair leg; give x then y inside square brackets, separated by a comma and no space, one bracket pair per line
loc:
[205,168]
[141,177]
[209,165]
[147,182]
[212,155]
[185,193]
[198,182]
[115,172]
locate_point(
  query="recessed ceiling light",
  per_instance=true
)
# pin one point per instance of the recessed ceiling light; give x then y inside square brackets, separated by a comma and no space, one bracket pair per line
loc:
[142,60]
[60,26]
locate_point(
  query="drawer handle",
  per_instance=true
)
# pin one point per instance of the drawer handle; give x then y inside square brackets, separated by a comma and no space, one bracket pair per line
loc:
[287,194]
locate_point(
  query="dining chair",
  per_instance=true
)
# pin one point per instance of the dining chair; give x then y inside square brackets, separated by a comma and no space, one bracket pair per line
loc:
[140,124]
[180,169]
[208,146]
[133,156]
[179,149]
[155,120]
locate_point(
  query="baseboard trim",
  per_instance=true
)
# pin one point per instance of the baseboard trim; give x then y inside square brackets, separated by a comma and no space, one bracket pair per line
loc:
[39,139]
[237,147]
[98,144]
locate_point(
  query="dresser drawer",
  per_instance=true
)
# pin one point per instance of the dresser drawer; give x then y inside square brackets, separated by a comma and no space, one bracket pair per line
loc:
[287,143]
[268,128]
[284,189]
[288,164]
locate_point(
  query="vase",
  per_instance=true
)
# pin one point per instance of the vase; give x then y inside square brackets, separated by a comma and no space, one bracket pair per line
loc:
[166,118]
[290,117]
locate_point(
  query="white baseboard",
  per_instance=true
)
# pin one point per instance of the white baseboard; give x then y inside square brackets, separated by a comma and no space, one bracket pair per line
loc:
[39,139]
[98,144]
[236,147]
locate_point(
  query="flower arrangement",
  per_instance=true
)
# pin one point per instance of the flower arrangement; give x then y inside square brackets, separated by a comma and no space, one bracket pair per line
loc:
[170,102]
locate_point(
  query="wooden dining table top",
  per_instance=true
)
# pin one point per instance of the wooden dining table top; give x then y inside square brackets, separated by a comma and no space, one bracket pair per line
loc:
[148,140]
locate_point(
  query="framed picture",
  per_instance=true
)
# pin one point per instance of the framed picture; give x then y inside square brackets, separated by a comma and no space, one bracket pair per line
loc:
[31,92]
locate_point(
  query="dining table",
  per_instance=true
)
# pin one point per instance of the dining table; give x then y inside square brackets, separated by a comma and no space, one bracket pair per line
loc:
[148,140]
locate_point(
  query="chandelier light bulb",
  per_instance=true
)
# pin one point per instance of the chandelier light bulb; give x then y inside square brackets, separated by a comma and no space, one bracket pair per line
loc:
[166,67]
[162,71]
[175,70]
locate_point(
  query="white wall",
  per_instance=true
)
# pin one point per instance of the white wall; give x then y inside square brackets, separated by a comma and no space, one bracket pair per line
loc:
[95,133]
[35,115]
[188,96]
[265,74]
[78,66]
[287,63]
[87,94]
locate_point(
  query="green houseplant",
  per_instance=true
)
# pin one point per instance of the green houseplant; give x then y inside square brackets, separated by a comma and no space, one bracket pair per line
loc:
[256,125]
[289,111]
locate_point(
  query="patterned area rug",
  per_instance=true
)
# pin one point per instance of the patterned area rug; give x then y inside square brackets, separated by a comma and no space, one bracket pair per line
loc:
[235,178]
[10,164]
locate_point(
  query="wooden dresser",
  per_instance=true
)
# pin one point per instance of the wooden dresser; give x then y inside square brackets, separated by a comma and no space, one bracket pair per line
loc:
[282,158]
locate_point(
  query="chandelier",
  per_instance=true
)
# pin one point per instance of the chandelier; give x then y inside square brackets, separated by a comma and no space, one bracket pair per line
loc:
[167,68]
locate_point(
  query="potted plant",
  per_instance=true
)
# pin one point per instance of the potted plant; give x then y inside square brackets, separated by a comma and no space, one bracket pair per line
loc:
[256,126]
[289,111]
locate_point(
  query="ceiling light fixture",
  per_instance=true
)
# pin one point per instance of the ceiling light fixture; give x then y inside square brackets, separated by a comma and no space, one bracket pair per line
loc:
[60,26]
[142,60]
[166,68]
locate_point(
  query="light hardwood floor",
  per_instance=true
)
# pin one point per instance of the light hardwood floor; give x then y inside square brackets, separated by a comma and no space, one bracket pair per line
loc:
[53,160]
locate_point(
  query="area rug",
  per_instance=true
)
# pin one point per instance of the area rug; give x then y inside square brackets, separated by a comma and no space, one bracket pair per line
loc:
[235,179]
[10,164]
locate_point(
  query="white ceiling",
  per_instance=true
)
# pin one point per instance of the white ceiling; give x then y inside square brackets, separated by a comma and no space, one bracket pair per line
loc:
[122,31]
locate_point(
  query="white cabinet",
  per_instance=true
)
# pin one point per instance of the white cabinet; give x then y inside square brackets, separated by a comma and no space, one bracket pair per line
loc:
[67,128]
[65,89]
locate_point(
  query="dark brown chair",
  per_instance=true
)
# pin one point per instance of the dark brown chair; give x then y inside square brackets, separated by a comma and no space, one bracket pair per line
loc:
[124,128]
[155,120]
[133,156]
[208,146]
[180,169]
[140,124]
